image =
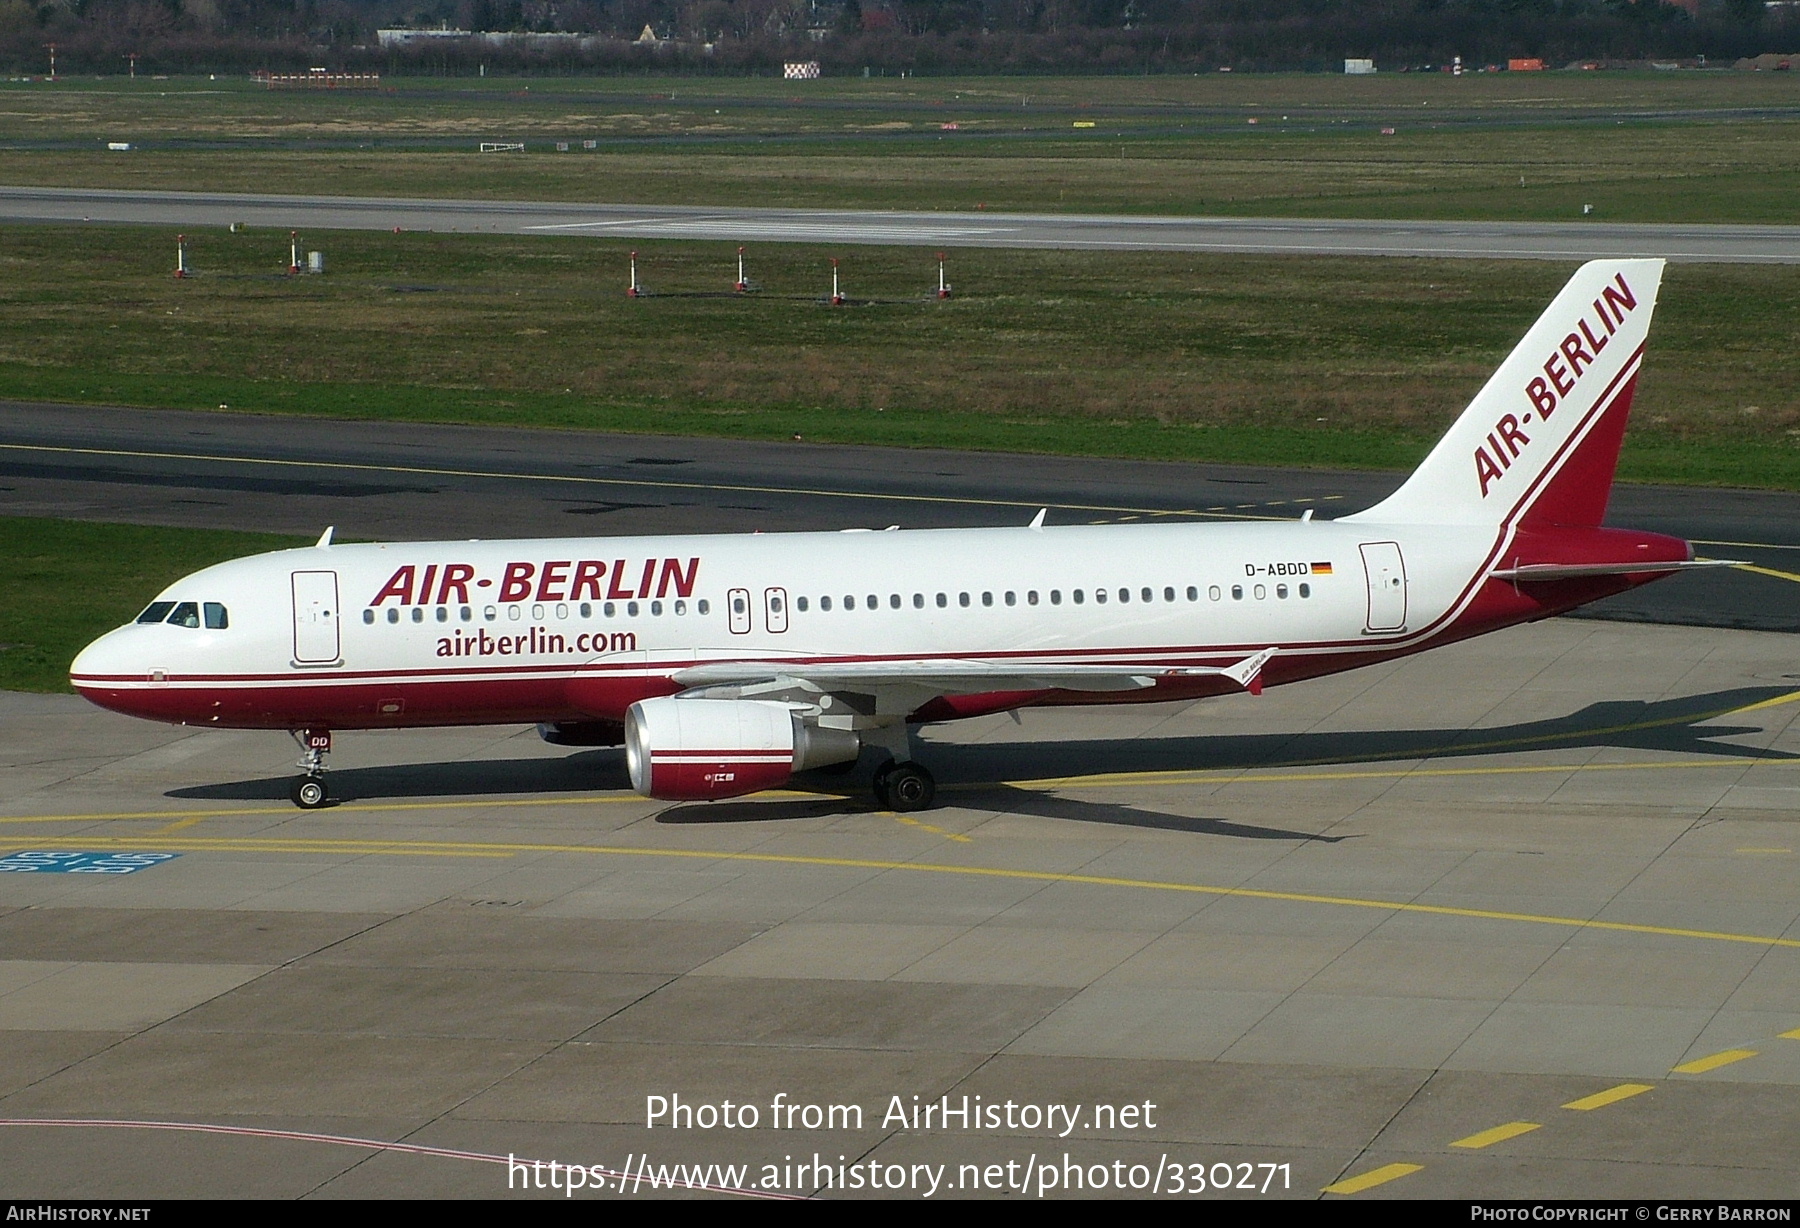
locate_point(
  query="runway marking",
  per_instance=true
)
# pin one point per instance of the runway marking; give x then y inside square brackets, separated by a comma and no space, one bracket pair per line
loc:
[1793,1035]
[1611,1095]
[1499,1134]
[1373,1178]
[429,848]
[1763,850]
[181,824]
[372,1144]
[1766,571]
[1701,1065]
[634,483]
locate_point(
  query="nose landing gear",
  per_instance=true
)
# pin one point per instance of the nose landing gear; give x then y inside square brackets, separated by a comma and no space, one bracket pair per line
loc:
[309,792]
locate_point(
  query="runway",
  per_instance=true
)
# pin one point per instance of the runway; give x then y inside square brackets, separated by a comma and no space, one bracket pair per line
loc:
[1513,919]
[377,481]
[1442,240]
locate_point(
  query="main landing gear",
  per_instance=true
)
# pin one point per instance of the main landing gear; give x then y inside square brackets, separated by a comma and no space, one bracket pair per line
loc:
[904,787]
[309,791]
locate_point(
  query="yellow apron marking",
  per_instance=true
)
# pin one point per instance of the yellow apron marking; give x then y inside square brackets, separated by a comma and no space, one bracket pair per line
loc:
[1611,1095]
[483,849]
[1701,1065]
[1372,1178]
[936,831]
[1499,1134]
[1768,571]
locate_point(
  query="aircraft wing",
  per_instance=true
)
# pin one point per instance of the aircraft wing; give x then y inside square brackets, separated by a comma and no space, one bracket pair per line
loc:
[960,676]
[1576,571]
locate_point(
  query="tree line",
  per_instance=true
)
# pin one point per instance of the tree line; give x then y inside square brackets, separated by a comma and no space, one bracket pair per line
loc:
[882,36]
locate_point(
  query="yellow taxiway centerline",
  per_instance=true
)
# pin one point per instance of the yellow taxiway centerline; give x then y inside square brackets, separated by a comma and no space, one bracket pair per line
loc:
[1153,779]
[429,848]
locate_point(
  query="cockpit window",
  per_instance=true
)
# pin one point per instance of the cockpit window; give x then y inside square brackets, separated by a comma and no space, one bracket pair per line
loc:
[187,614]
[216,617]
[156,611]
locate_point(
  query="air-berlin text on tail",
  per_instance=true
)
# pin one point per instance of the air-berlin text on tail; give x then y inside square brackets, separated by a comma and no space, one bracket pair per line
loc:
[552,580]
[1562,371]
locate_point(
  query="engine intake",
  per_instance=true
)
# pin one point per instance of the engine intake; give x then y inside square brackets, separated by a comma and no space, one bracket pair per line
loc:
[683,750]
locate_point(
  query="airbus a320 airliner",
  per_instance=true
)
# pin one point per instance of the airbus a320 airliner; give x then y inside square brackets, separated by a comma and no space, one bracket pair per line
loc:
[725,664]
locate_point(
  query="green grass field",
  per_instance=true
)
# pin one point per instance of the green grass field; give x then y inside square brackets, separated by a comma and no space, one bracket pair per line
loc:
[1663,147]
[69,581]
[1277,360]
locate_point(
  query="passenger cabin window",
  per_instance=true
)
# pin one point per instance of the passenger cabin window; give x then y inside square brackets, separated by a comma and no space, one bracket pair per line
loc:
[368,616]
[156,611]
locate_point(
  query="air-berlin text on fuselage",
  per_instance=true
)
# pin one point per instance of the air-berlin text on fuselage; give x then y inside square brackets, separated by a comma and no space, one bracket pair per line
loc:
[1562,371]
[552,580]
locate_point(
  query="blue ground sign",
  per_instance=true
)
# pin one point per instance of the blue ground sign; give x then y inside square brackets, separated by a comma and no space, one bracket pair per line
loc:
[79,863]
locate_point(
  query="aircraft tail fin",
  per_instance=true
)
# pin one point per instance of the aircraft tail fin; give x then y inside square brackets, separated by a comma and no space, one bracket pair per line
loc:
[1538,445]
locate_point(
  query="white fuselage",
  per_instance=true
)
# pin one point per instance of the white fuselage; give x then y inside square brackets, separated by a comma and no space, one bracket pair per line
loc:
[562,629]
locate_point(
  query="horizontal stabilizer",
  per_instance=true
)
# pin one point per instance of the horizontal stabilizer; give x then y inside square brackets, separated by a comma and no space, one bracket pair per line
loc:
[1575,571]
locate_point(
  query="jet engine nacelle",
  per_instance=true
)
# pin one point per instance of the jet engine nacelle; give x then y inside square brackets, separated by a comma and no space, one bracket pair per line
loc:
[683,750]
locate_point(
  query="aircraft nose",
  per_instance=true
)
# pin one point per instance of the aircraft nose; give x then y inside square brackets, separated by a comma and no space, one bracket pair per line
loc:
[106,658]
[119,672]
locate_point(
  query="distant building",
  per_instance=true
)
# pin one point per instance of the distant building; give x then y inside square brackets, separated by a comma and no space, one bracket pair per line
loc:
[1359,68]
[413,38]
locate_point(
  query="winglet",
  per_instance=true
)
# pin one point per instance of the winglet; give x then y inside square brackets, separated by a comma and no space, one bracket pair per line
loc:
[1248,672]
[1037,521]
[324,542]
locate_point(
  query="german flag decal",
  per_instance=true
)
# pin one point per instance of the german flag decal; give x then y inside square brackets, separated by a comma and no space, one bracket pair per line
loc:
[1320,569]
